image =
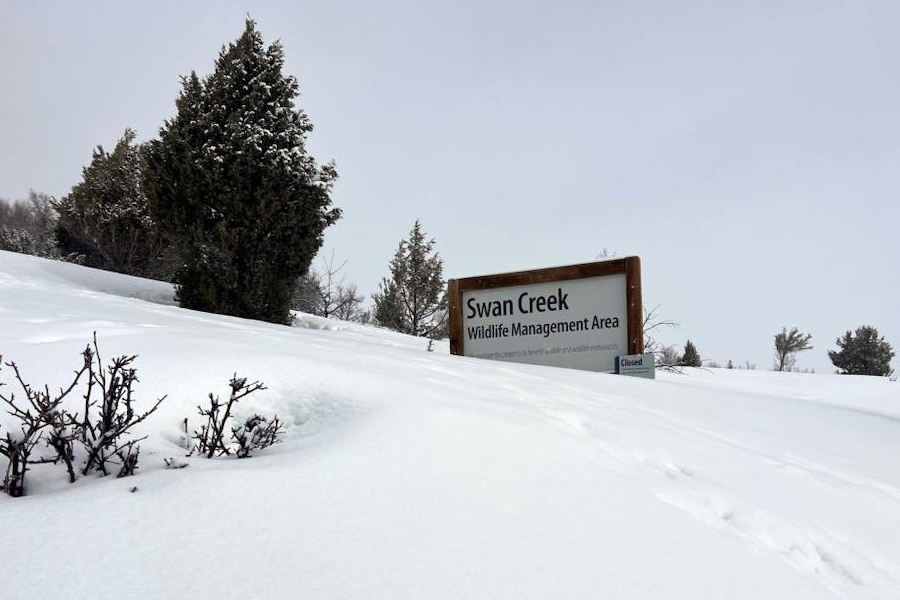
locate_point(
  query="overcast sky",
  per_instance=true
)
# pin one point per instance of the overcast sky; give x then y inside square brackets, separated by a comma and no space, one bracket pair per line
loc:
[747,151]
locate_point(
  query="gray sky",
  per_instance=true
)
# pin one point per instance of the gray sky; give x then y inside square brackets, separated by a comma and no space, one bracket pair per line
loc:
[747,151]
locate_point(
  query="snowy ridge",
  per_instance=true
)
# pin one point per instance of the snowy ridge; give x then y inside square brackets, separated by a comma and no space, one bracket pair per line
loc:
[414,474]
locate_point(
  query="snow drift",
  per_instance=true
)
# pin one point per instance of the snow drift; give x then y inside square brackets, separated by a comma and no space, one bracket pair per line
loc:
[413,474]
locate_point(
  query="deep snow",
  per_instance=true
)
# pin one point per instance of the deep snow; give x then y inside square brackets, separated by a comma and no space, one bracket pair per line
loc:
[409,474]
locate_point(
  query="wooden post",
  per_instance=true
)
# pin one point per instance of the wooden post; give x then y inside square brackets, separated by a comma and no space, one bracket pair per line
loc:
[455,316]
[634,305]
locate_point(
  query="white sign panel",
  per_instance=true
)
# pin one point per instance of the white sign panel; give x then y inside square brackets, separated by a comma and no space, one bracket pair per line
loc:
[576,323]
[637,365]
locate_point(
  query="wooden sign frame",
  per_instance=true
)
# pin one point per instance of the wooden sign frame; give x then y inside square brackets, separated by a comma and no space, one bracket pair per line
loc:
[629,265]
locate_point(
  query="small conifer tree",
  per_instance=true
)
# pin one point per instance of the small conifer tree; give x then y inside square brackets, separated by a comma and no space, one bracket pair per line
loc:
[690,357]
[413,300]
[787,345]
[862,353]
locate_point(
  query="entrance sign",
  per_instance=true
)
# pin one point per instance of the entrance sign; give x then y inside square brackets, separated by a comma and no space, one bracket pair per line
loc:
[577,316]
[637,365]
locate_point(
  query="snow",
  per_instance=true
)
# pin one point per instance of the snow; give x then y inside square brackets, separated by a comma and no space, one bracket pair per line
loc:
[415,474]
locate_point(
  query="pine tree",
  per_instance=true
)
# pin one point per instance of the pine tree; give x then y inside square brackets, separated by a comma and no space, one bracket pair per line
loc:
[690,357]
[787,345]
[865,353]
[413,300]
[105,221]
[233,185]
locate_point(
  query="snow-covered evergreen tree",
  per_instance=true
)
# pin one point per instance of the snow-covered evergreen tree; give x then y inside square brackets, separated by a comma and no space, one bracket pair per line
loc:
[231,182]
[104,222]
[413,300]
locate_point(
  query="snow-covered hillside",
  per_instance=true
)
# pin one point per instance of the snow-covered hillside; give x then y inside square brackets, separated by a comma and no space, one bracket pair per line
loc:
[409,474]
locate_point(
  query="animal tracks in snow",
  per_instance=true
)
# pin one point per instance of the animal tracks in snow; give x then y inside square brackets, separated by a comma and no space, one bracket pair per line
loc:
[687,465]
[840,565]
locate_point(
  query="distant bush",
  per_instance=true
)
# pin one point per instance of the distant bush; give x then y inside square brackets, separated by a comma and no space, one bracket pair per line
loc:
[17,240]
[26,226]
[99,433]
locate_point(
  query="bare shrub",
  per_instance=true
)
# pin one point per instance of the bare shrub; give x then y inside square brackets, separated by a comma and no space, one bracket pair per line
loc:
[653,321]
[39,411]
[668,359]
[128,458]
[110,418]
[325,294]
[101,430]
[255,433]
